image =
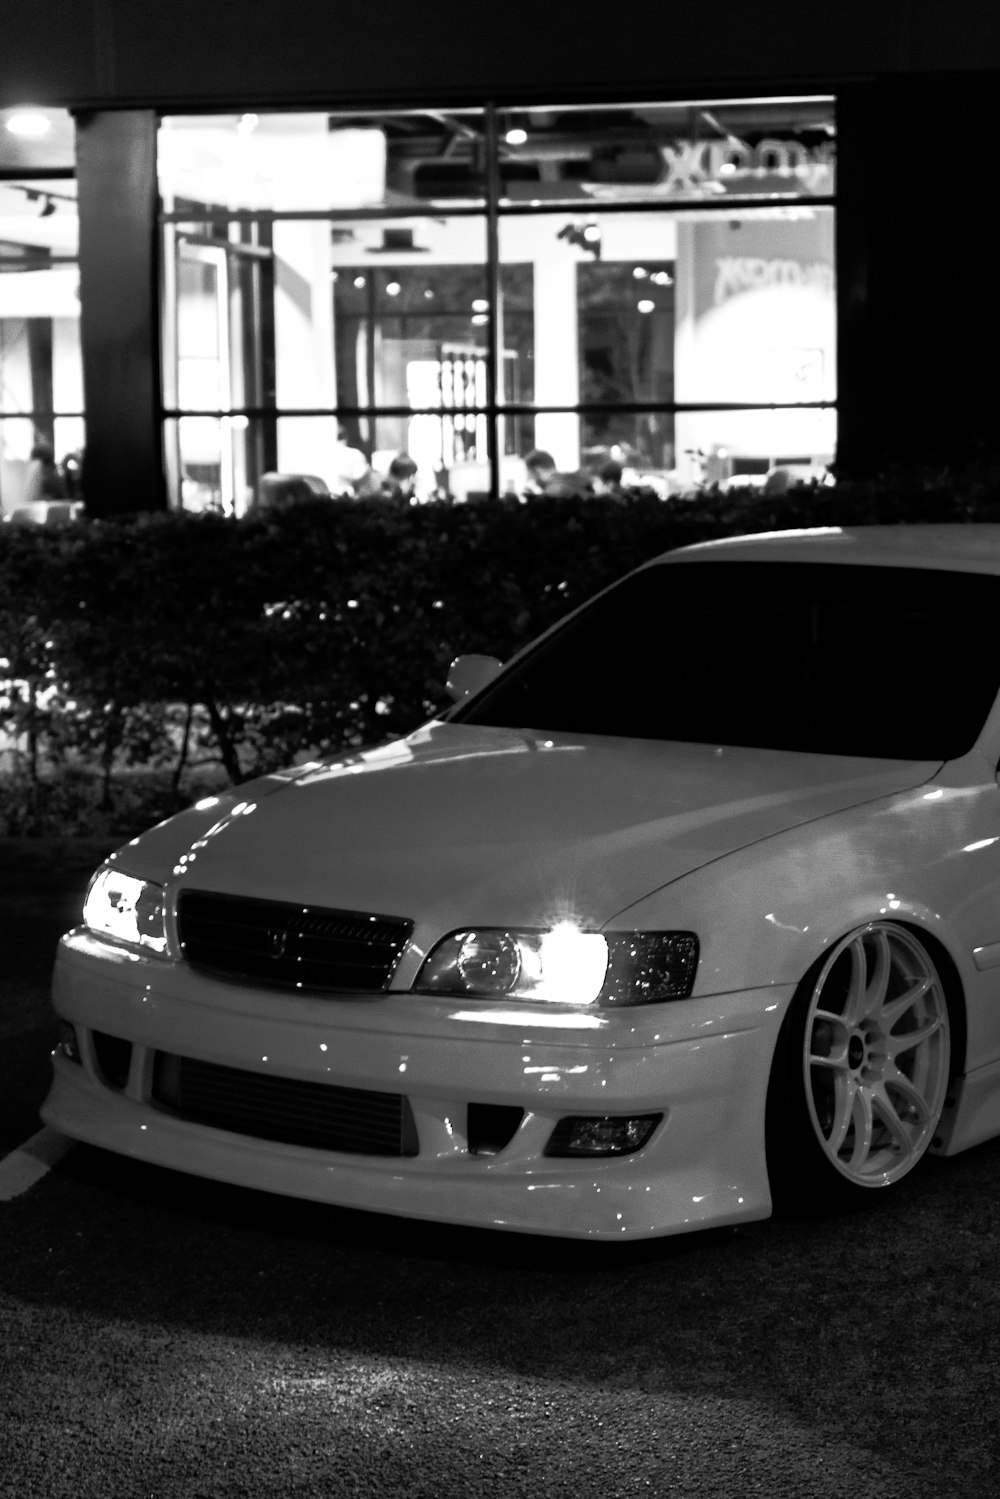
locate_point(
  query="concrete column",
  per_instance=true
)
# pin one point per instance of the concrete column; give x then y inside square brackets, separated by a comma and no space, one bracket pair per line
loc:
[119,326]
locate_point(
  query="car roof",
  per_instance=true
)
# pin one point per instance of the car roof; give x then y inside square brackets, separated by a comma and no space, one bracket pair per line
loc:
[964,546]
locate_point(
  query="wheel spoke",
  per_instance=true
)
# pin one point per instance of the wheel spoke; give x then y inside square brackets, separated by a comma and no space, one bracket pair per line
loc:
[895,1009]
[835,1063]
[836,1055]
[844,1093]
[900,1083]
[894,1046]
[864,1125]
[854,1005]
[877,984]
[902,1146]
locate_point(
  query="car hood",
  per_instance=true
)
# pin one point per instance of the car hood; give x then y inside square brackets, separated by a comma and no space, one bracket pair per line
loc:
[459,823]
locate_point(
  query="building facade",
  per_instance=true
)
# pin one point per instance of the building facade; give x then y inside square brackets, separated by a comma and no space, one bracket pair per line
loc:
[246,239]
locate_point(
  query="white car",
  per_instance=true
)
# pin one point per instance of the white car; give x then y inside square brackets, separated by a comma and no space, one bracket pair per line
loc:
[692,907]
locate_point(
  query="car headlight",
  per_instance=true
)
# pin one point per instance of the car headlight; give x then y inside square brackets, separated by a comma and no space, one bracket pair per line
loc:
[563,965]
[126,909]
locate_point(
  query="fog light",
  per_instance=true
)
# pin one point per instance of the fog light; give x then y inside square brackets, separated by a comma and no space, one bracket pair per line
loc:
[114,1058]
[66,1043]
[601,1135]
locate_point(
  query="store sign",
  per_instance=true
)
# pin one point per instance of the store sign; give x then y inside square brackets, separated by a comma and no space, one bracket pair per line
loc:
[734,166]
[736,274]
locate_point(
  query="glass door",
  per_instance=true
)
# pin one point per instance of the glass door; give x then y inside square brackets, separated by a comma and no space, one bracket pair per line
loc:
[214,365]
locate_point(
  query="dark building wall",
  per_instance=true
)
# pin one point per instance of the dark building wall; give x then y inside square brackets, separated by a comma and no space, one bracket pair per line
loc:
[188,52]
[918,290]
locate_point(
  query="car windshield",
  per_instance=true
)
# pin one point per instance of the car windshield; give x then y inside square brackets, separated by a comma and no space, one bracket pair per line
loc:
[828,658]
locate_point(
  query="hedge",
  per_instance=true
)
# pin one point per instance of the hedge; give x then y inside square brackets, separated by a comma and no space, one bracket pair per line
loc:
[182,641]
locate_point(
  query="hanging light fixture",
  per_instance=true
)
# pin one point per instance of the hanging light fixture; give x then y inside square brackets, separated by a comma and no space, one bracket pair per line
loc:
[584,236]
[46,200]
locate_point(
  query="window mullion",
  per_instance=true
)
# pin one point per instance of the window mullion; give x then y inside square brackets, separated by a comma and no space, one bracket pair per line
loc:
[493,341]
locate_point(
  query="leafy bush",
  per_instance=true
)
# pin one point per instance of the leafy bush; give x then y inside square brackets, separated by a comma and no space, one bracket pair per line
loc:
[194,644]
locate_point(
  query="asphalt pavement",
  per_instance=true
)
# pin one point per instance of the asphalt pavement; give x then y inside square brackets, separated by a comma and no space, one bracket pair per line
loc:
[162,1336]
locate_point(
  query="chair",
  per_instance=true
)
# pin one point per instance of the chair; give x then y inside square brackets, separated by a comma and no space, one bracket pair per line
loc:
[277,491]
[45,513]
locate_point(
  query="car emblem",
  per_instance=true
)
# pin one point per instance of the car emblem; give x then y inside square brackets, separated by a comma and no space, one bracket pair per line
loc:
[277,941]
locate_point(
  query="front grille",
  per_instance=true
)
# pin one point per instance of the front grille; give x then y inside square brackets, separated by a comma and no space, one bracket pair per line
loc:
[293,946]
[283,1109]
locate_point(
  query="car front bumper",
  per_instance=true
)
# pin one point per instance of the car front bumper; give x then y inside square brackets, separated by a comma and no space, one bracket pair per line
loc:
[702,1063]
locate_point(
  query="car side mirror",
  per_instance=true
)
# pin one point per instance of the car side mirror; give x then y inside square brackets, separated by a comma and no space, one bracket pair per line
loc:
[468,674]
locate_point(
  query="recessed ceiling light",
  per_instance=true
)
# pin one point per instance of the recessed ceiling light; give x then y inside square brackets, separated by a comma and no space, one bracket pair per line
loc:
[516,137]
[29,122]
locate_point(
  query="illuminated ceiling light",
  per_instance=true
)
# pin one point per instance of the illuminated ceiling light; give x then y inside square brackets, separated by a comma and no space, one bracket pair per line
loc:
[640,272]
[359,282]
[662,278]
[247,123]
[479,318]
[393,289]
[29,122]
[480,305]
[516,137]
[591,232]
[428,293]
[646,305]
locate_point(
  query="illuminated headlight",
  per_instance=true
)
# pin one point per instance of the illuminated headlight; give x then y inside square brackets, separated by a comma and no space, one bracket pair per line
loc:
[563,966]
[126,909]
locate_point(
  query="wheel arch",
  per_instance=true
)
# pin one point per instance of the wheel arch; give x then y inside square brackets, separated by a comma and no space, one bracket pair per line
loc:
[954,992]
[951,978]
[784,1187]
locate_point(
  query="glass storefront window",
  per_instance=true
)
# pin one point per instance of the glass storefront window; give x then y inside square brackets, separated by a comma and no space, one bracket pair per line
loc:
[702,151]
[757,325]
[602,292]
[309,162]
[41,380]
[652,284]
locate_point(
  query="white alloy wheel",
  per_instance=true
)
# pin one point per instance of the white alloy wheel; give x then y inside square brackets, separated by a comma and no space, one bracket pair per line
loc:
[876,1054]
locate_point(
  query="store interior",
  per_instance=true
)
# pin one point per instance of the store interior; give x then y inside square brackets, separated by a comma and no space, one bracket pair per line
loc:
[650,283]
[41,381]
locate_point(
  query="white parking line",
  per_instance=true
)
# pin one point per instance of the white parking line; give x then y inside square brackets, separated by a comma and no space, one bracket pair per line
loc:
[30,1162]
